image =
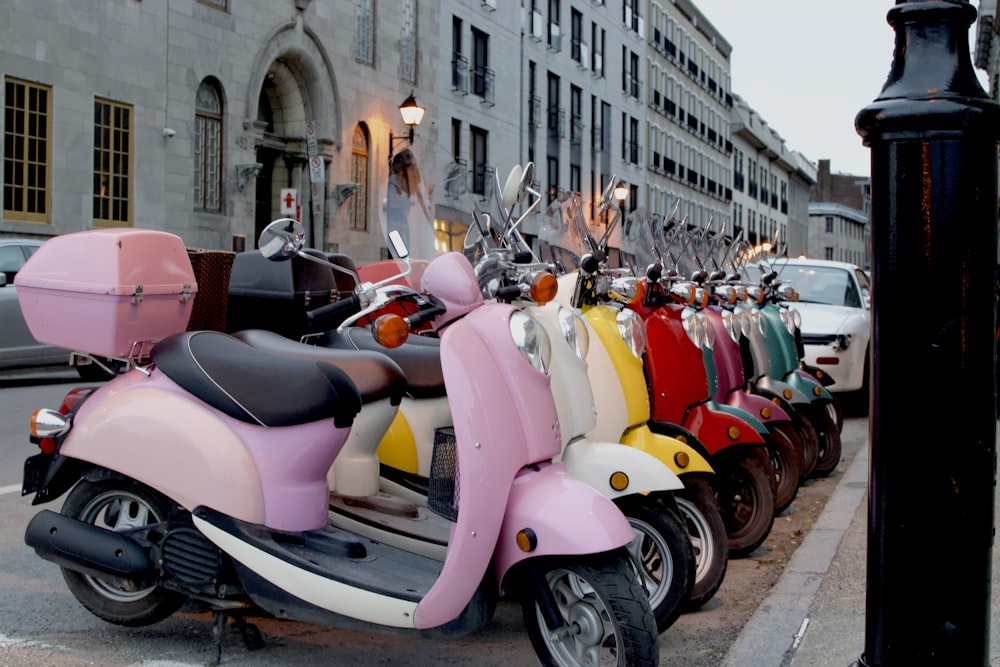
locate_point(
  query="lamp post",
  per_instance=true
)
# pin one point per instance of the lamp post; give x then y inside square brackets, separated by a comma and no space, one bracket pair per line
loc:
[933,134]
[412,113]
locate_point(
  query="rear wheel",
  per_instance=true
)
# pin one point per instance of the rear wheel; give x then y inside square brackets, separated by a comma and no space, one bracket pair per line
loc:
[746,500]
[606,618]
[664,555]
[119,504]
[700,509]
[784,448]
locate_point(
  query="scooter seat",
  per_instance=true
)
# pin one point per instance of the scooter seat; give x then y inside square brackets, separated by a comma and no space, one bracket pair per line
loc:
[419,357]
[253,386]
[375,375]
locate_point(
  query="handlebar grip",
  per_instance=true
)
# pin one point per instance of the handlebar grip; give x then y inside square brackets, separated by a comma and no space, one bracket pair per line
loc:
[508,293]
[332,314]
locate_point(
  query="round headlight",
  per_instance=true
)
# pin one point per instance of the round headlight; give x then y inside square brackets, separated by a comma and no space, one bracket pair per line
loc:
[693,327]
[726,294]
[574,330]
[709,335]
[733,322]
[531,340]
[755,294]
[633,331]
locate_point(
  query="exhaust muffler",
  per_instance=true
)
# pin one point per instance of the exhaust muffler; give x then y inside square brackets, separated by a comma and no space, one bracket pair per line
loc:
[88,549]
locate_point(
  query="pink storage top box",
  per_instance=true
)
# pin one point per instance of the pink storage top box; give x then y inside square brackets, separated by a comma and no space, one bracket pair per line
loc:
[100,291]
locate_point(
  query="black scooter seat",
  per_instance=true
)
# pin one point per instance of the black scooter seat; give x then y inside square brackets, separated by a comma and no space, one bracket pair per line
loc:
[254,386]
[375,375]
[419,357]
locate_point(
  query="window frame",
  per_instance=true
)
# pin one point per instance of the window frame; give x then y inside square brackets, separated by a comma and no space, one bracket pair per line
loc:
[115,196]
[21,162]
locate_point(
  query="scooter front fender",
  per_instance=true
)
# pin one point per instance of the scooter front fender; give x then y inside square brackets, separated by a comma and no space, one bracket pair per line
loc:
[718,430]
[758,406]
[605,465]
[679,456]
[809,385]
[561,516]
[768,386]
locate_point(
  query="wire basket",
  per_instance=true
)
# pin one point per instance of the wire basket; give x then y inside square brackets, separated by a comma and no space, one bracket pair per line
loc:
[443,486]
[212,269]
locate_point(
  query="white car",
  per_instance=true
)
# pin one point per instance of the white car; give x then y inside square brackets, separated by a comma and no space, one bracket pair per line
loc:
[834,301]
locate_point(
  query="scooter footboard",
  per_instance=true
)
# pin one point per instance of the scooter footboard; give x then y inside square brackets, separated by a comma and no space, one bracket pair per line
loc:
[551,513]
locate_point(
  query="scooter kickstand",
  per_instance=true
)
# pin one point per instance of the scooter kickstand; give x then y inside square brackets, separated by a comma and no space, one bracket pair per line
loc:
[249,632]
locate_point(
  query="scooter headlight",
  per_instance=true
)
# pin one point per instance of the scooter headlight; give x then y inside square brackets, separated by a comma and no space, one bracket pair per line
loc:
[733,323]
[709,331]
[755,294]
[726,294]
[633,331]
[574,330]
[531,340]
[693,327]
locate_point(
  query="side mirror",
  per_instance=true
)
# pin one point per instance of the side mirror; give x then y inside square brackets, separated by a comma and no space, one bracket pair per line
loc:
[282,239]
[512,189]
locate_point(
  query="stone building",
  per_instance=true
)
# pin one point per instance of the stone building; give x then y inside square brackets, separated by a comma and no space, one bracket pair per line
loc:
[840,217]
[209,118]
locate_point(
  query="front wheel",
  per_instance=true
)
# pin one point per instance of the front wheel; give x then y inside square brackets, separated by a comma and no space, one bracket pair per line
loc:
[829,442]
[784,448]
[664,554]
[707,532]
[604,610]
[746,499]
[119,504]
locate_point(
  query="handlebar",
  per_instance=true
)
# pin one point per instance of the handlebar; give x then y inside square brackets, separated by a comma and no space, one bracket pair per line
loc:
[332,314]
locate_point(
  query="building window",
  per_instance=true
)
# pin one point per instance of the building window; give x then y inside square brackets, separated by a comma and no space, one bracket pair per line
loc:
[218,4]
[364,32]
[27,151]
[480,160]
[208,148]
[828,253]
[829,224]
[112,163]
[408,43]
[482,75]
[358,211]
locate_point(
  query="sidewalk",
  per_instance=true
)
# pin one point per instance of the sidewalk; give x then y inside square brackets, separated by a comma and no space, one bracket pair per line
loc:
[815,614]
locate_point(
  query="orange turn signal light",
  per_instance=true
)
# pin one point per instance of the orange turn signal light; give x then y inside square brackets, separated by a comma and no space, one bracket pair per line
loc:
[543,287]
[390,330]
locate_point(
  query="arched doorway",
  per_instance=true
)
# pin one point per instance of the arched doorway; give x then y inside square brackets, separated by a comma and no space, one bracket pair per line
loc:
[296,88]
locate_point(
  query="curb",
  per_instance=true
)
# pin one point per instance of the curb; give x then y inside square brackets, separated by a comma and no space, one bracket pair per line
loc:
[776,628]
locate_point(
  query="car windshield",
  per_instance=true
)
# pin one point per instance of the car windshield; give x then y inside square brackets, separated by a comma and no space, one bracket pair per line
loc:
[821,284]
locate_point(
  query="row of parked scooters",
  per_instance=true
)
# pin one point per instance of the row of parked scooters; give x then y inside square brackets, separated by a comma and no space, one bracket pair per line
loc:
[549,426]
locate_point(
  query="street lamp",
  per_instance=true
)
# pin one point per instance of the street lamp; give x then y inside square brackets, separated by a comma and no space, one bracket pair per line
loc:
[621,192]
[412,114]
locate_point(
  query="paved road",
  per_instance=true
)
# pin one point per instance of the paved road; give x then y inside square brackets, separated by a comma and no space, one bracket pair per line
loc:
[42,624]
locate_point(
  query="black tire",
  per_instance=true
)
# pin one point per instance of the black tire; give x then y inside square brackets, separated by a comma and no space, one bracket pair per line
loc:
[707,532]
[604,606]
[746,500]
[810,442]
[118,504]
[663,553]
[784,448]
[829,442]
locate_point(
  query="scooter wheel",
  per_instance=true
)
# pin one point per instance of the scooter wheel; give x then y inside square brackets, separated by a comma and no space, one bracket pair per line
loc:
[119,504]
[829,442]
[746,500]
[784,448]
[603,606]
[700,509]
[663,553]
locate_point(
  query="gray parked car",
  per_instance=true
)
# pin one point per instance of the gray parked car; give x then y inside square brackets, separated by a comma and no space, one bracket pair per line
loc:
[18,348]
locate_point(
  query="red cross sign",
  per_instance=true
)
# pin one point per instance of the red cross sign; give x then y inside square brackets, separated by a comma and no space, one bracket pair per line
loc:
[289,200]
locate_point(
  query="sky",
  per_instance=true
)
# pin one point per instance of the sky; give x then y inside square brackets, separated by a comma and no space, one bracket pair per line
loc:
[807,67]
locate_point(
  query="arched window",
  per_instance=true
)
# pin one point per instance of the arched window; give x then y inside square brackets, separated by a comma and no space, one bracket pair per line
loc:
[359,174]
[208,148]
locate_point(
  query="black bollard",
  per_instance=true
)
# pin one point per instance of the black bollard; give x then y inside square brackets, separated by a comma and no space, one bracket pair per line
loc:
[933,135]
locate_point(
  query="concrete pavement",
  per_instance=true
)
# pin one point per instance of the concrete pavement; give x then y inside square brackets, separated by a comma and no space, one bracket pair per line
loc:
[814,616]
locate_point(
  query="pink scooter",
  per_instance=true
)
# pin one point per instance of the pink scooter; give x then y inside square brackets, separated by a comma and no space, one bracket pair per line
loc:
[201,472]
